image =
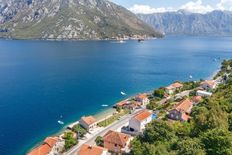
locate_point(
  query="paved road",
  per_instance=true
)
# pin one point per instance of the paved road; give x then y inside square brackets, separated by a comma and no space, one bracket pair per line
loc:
[116,125]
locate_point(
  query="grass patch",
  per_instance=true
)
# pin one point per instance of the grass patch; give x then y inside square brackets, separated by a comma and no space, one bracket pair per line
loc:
[113,118]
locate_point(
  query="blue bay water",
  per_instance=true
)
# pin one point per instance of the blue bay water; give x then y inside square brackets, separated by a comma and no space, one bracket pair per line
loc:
[42,80]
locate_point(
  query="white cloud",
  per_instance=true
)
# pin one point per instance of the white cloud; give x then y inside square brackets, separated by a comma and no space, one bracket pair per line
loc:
[225,5]
[146,9]
[197,7]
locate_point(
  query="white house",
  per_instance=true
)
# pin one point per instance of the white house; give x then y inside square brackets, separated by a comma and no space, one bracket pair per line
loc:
[143,98]
[173,87]
[208,84]
[203,93]
[139,121]
[88,122]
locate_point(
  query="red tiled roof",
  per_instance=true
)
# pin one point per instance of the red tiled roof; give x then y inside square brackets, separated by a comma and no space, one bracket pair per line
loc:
[122,103]
[45,148]
[142,115]
[116,137]
[174,85]
[184,106]
[51,141]
[40,150]
[177,85]
[185,117]
[196,98]
[210,83]
[90,150]
[142,96]
[89,120]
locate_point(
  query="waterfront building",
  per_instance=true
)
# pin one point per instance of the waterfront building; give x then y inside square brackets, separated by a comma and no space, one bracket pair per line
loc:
[143,98]
[88,122]
[173,87]
[46,147]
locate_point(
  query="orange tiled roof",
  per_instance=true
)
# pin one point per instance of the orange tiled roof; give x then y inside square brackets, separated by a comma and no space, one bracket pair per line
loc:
[177,85]
[41,150]
[89,120]
[90,150]
[197,98]
[142,96]
[142,115]
[122,103]
[184,106]
[116,137]
[174,85]
[45,148]
[51,141]
[210,83]
[185,117]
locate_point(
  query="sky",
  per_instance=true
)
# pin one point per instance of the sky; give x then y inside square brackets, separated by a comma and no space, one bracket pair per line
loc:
[196,6]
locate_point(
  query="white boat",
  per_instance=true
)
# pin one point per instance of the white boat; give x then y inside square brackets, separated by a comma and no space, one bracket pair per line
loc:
[60,122]
[105,105]
[121,41]
[190,76]
[124,94]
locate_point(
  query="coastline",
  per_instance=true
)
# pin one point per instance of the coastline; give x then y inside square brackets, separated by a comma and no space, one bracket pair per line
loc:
[108,111]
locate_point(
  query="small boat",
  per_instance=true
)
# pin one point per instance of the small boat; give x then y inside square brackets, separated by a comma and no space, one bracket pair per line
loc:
[124,94]
[190,76]
[60,122]
[104,105]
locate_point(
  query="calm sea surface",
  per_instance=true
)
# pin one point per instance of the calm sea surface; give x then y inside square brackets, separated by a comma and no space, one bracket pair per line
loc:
[42,80]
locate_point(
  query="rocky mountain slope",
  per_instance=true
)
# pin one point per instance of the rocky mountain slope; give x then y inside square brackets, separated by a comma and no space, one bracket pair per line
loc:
[68,19]
[182,22]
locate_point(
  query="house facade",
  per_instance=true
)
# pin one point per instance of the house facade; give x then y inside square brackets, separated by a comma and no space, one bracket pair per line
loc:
[208,84]
[143,98]
[116,142]
[204,93]
[88,122]
[173,87]
[181,111]
[139,121]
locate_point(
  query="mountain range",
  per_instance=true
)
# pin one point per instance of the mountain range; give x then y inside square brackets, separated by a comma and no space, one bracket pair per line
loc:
[183,22]
[69,19]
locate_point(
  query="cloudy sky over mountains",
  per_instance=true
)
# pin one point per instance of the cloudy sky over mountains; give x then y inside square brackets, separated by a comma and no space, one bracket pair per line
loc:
[196,6]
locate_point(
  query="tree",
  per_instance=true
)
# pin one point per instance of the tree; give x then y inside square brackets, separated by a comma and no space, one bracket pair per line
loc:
[190,146]
[230,121]
[217,142]
[159,92]
[99,141]
[69,140]
[151,149]
[158,131]
[79,130]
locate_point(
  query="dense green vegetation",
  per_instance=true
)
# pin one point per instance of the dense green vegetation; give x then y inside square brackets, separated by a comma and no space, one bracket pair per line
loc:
[209,132]
[99,141]
[79,130]
[69,140]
